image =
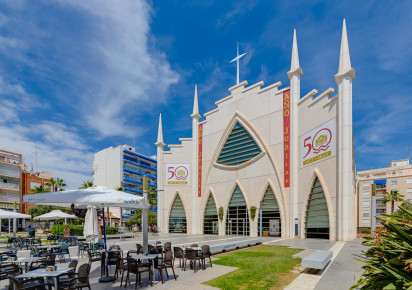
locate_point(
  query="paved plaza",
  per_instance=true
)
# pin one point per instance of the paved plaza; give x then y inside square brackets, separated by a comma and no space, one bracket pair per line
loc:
[341,273]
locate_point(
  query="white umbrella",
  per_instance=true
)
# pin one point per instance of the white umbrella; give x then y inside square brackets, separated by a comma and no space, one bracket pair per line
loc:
[56,215]
[98,196]
[4,214]
[91,230]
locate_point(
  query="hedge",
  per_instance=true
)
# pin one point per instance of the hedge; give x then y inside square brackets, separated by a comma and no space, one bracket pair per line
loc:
[78,230]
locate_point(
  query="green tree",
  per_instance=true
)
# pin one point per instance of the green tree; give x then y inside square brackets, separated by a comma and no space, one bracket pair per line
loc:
[136,219]
[39,189]
[406,205]
[392,197]
[86,184]
[119,188]
[56,184]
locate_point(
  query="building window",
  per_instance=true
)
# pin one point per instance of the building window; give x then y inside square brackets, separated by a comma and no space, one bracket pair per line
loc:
[394,182]
[366,204]
[239,147]
[365,213]
[409,190]
[366,184]
[409,180]
[365,222]
[379,212]
[366,194]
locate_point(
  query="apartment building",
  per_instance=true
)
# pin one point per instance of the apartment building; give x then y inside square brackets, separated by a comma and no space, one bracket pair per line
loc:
[123,166]
[30,180]
[398,176]
[11,166]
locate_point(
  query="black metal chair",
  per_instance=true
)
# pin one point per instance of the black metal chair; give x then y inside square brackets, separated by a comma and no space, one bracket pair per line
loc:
[206,254]
[134,268]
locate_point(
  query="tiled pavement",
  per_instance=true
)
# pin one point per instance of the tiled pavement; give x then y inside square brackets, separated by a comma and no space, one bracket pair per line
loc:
[341,274]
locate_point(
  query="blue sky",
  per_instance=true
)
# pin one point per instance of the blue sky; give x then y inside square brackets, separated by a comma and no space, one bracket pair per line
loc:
[79,76]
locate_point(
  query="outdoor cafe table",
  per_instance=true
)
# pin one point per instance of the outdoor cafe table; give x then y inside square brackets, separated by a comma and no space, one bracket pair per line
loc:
[150,257]
[24,260]
[46,274]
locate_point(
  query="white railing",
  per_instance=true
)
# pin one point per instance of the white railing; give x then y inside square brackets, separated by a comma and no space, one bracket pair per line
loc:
[9,185]
[10,173]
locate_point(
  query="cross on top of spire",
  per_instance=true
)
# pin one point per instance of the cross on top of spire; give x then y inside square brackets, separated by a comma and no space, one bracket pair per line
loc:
[237,62]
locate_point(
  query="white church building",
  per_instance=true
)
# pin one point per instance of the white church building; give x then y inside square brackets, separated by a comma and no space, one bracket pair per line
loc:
[268,149]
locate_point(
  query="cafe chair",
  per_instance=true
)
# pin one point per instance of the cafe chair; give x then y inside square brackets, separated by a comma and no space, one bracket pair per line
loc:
[79,280]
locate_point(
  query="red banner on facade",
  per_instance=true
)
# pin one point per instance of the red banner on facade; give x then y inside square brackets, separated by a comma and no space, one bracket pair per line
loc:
[286,137]
[199,165]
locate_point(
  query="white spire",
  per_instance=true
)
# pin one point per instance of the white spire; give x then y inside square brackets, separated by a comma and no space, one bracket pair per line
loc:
[345,66]
[294,65]
[160,133]
[195,113]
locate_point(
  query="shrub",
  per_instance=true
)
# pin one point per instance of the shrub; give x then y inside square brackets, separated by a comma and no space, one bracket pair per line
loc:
[252,212]
[365,231]
[112,230]
[389,256]
[221,213]
[74,230]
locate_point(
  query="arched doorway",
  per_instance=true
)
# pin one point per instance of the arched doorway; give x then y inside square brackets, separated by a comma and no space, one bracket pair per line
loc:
[177,218]
[237,218]
[317,215]
[271,222]
[210,220]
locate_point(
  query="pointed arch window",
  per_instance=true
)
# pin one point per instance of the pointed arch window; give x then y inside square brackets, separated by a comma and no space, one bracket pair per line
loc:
[239,147]
[237,219]
[177,219]
[211,221]
[271,222]
[317,215]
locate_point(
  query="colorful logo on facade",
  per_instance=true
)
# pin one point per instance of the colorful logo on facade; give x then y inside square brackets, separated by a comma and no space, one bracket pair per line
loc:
[318,144]
[178,174]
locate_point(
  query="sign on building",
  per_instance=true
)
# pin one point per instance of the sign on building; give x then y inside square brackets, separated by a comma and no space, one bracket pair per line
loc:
[177,174]
[318,144]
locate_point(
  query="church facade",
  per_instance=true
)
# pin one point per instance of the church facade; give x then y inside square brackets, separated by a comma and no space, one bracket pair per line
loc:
[267,160]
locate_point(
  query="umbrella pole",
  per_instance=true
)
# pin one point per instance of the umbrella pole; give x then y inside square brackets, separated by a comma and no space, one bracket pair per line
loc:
[107,278]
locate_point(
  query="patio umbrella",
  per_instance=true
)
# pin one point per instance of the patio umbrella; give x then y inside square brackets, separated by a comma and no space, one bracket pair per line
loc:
[98,196]
[91,229]
[56,215]
[5,214]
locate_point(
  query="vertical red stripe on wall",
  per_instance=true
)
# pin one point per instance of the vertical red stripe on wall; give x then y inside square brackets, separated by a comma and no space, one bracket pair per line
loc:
[199,165]
[286,137]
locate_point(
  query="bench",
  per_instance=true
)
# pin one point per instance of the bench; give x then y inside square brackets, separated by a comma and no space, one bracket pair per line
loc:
[317,260]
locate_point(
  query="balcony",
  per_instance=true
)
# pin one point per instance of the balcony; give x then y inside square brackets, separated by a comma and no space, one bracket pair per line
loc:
[378,205]
[138,171]
[138,163]
[10,173]
[132,189]
[11,186]
[132,180]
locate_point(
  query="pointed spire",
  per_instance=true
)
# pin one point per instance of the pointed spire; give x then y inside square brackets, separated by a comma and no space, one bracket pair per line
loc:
[160,133]
[294,65]
[345,67]
[195,113]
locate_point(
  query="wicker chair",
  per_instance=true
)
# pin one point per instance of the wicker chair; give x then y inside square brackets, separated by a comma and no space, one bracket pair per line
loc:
[40,264]
[194,246]
[31,284]
[93,256]
[79,280]
[206,254]
[81,248]
[167,247]
[134,268]
[7,269]
[122,267]
[66,277]
[139,248]
[178,254]
[192,256]
[167,263]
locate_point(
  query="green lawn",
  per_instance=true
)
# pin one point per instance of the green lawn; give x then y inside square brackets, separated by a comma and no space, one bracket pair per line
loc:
[267,267]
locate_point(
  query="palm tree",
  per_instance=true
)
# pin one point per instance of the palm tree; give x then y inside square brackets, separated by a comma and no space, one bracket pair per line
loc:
[391,197]
[86,184]
[39,189]
[56,184]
